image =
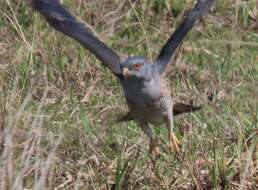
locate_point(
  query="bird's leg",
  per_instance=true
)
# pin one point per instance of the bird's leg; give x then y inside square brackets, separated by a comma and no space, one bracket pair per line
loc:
[172,140]
[154,149]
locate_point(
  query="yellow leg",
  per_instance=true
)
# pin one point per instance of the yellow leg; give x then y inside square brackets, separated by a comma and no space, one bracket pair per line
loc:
[154,148]
[173,142]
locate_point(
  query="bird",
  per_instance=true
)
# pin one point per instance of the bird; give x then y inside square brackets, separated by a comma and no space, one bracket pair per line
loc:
[144,86]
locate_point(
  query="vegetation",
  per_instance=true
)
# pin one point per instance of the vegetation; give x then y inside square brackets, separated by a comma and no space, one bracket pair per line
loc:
[58,104]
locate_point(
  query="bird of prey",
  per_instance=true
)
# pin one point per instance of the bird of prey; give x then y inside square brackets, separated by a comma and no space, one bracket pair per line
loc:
[146,93]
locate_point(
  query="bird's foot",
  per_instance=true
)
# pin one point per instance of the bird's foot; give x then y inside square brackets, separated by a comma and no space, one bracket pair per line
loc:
[174,143]
[154,148]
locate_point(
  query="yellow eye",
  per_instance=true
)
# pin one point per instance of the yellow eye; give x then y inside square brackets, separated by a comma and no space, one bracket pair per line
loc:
[137,66]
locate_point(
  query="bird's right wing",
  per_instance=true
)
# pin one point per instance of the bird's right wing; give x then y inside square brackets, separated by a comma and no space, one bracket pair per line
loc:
[60,19]
[176,38]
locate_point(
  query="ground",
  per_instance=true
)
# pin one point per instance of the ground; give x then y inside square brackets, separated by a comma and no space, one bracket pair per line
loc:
[58,104]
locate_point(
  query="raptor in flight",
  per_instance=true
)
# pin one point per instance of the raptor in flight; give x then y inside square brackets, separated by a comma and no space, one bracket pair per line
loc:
[148,97]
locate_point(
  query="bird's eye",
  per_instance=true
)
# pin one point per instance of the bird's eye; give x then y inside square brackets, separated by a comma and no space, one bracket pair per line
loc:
[137,66]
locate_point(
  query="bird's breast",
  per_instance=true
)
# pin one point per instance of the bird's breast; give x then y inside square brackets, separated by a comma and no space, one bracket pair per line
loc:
[154,113]
[148,101]
[142,93]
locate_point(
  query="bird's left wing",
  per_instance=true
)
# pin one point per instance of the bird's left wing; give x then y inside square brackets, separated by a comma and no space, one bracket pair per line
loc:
[60,19]
[179,108]
[175,39]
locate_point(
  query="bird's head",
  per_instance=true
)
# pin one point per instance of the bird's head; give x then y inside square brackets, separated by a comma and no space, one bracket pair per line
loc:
[135,68]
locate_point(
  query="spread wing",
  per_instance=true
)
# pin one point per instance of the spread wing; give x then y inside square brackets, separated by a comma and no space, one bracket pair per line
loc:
[60,19]
[175,39]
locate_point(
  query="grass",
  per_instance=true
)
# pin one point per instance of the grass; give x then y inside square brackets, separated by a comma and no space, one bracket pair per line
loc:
[58,104]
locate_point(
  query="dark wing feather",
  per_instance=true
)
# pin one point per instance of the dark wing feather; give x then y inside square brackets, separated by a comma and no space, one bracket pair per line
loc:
[179,108]
[127,117]
[60,19]
[175,39]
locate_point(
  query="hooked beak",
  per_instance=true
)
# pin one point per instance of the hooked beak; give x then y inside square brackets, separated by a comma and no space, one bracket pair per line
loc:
[126,72]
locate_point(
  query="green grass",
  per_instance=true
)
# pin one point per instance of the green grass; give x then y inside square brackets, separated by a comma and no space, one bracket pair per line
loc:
[50,138]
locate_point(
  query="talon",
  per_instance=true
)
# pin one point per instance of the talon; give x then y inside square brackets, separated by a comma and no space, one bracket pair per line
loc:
[173,143]
[154,149]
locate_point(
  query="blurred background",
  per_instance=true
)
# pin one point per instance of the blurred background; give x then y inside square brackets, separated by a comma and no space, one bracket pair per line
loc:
[58,105]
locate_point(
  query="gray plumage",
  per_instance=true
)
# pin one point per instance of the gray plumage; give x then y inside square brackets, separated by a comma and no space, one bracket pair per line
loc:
[145,90]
